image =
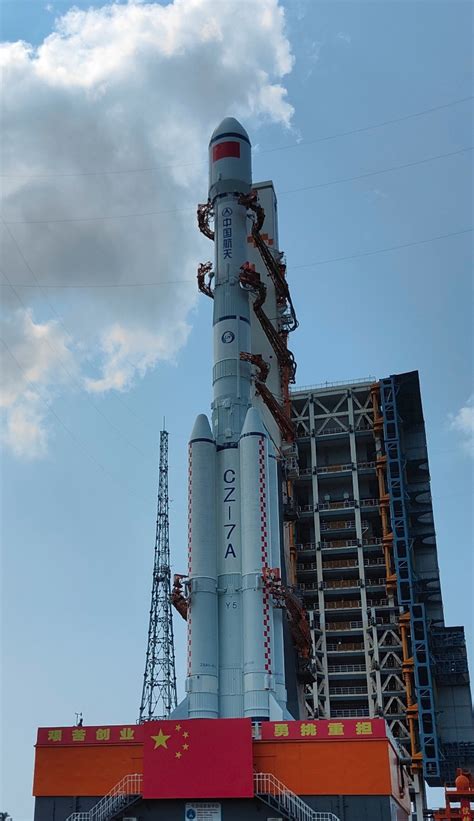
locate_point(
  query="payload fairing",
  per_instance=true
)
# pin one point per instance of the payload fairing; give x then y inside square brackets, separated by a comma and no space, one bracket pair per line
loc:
[235,635]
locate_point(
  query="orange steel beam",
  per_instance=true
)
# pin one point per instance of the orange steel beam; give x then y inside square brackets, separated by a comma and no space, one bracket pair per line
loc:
[291,538]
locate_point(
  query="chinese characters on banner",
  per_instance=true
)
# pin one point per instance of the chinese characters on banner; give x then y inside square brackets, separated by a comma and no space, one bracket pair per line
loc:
[318,730]
[324,729]
[74,736]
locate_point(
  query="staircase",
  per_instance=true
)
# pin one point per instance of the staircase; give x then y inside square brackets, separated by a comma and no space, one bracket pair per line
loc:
[123,795]
[275,794]
[285,802]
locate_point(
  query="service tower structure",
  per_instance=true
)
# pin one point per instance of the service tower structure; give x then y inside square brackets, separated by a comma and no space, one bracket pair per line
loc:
[235,646]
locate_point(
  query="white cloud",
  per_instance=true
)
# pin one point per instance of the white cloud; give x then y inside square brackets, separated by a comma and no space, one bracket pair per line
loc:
[34,358]
[125,352]
[344,37]
[121,87]
[26,430]
[463,423]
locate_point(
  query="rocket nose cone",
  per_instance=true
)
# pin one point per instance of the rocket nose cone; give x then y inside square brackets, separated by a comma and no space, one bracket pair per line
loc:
[253,423]
[230,125]
[201,429]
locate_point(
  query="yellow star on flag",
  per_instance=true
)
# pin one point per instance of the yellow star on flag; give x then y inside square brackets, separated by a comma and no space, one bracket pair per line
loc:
[160,740]
[178,755]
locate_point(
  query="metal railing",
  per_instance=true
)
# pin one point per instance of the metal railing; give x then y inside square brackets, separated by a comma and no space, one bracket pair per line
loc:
[336,505]
[367,380]
[347,691]
[332,431]
[340,563]
[337,583]
[349,647]
[347,668]
[340,525]
[286,802]
[336,626]
[334,468]
[338,543]
[381,620]
[343,604]
[342,468]
[349,713]
[119,798]
[339,504]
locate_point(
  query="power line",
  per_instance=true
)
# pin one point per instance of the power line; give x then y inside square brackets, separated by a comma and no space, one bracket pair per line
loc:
[72,378]
[291,267]
[288,191]
[370,127]
[67,332]
[99,219]
[96,285]
[30,269]
[383,250]
[297,144]
[374,173]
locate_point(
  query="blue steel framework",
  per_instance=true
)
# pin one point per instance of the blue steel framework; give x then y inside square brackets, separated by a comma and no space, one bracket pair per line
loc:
[406,583]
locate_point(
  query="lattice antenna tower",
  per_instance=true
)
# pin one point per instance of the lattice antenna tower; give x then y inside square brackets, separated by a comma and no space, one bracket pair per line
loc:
[159,681]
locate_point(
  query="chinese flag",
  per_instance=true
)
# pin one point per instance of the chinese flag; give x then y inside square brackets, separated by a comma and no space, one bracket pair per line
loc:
[198,758]
[231,148]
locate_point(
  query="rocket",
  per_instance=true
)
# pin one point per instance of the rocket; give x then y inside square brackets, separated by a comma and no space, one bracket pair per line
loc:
[235,632]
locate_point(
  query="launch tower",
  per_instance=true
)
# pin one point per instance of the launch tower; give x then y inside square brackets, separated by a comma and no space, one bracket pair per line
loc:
[159,680]
[365,559]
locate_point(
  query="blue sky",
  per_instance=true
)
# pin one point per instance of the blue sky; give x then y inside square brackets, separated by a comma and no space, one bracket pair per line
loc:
[91,372]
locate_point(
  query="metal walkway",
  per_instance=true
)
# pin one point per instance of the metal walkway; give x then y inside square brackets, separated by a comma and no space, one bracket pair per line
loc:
[289,805]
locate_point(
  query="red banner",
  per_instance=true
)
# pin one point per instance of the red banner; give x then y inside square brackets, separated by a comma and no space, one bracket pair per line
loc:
[76,736]
[324,729]
[198,758]
[227,149]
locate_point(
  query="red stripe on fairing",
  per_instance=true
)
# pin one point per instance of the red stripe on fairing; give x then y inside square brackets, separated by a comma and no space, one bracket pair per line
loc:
[228,149]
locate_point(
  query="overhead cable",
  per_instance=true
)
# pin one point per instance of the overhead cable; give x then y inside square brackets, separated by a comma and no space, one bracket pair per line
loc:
[296,144]
[291,267]
[289,191]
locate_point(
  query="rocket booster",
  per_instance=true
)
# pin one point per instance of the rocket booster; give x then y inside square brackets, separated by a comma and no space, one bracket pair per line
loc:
[235,635]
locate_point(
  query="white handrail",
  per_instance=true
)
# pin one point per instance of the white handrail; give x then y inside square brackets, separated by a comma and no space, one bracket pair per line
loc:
[270,788]
[265,784]
[120,796]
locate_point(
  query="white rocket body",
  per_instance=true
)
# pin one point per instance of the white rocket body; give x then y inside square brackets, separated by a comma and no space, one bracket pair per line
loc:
[235,635]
